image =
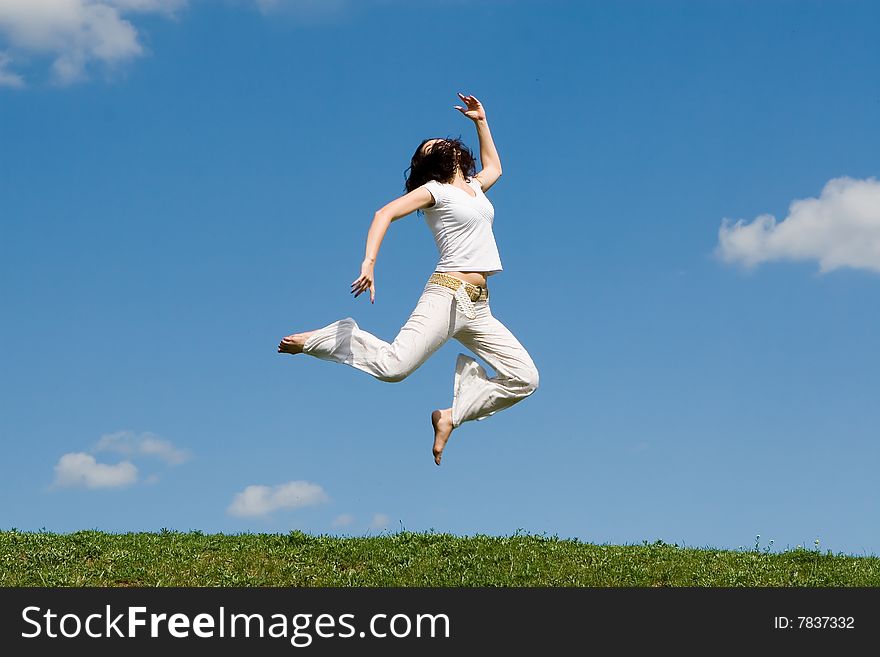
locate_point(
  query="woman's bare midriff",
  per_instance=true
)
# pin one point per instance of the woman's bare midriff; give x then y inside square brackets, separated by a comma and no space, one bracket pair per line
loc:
[472,277]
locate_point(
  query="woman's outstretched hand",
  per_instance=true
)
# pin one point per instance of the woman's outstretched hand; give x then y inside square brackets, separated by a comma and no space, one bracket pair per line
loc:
[474,111]
[365,281]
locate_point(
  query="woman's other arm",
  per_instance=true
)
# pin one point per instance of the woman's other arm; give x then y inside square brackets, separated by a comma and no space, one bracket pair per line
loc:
[489,159]
[400,207]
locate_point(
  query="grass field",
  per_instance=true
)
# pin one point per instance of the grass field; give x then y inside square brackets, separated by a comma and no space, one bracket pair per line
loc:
[170,558]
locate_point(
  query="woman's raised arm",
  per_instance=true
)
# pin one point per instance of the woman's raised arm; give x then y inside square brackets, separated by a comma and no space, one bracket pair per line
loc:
[489,159]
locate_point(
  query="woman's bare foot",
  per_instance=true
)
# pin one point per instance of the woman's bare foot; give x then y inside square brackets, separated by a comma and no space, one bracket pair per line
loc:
[442,421]
[293,344]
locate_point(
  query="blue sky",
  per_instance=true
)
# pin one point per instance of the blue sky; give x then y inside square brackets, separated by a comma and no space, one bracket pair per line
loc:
[183,183]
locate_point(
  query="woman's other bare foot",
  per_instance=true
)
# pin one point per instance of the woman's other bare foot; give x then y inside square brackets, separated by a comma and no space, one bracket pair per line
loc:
[442,421]
[293,344]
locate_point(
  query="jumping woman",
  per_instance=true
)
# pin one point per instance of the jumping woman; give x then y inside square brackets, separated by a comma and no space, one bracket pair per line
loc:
[455,300]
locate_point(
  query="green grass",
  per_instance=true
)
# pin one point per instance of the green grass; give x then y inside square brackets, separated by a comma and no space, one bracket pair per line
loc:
[170,558]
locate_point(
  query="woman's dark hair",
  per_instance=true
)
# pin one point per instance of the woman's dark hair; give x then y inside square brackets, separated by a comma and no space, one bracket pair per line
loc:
[440,163]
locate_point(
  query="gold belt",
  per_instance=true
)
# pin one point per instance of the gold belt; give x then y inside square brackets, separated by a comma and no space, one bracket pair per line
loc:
[474,292]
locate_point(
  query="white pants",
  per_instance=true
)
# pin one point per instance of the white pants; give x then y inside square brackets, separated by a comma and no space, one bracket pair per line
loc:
[437,318]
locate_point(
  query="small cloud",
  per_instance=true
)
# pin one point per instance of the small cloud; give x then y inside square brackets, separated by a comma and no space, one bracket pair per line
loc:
[343,520]
[7,77]
[839,229]
[164,450]
[261,500]
[82,469]
[78,469]
[380,521]
[167,7]
[145,444]
[308,10]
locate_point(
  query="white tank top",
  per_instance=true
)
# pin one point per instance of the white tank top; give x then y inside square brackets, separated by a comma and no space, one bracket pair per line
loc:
[462,228]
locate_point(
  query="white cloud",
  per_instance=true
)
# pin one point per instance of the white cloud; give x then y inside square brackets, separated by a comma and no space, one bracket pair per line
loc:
[841,228]
[343,520]
[262,500]
[78,469]
[76,33]
[380,521]
[8,78]
[82,469]
[145,444]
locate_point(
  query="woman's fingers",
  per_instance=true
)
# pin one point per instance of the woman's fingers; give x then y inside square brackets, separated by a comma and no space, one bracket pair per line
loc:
[362,286]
